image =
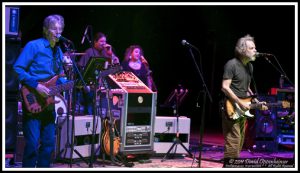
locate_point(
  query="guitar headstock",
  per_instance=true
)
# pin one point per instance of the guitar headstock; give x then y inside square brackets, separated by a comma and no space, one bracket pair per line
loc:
[285,104]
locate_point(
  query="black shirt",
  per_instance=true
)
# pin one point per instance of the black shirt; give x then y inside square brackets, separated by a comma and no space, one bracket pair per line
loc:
[142,73]
[240,75]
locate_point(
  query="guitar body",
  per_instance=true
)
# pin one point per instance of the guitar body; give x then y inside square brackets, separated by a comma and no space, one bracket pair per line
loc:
[33,99]
[106,139]
[234,111]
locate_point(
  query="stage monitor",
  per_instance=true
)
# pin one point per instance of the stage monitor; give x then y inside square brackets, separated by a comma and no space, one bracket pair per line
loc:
[12,15]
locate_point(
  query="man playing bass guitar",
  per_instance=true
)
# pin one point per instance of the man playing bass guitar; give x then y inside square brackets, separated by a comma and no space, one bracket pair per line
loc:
[40,60]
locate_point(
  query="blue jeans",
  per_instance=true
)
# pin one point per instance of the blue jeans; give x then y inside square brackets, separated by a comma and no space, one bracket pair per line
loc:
[39,134]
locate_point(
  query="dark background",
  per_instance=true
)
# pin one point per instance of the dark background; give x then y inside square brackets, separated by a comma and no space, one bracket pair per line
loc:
[214,30]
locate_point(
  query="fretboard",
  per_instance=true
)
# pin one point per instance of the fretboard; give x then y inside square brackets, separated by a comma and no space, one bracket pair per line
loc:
[259,105]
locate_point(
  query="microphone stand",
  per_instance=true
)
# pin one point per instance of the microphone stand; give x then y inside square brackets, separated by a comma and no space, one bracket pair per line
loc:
[95,101]
[71,110]
[280,69]
[205,92]
[91,41]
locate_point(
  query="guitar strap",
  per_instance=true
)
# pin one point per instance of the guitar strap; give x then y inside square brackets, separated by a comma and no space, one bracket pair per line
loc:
[250,70]
[57,62]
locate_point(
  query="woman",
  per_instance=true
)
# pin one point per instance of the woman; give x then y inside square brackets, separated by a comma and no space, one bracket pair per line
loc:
[135,62]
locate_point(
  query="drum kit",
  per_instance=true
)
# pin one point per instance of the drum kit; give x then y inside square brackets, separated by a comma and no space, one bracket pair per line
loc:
[60,100]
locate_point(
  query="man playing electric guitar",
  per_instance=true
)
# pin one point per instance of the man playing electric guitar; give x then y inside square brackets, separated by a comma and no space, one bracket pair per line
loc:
[236,85]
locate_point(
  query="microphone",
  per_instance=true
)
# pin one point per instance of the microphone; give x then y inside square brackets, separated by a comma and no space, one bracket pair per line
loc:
[107,47]
[185,43]
[85,32]
[257,54]
[63,39]
[144,61]
[149,73]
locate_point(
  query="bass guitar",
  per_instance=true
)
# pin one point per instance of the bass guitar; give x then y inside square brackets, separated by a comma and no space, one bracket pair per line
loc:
[234,111]
[33,99]
[108,129]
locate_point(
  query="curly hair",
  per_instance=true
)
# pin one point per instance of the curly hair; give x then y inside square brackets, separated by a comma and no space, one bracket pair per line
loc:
[130,49]
[241,45]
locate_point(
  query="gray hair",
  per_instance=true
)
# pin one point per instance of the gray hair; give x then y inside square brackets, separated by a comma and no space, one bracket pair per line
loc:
[52,19]
[241,46]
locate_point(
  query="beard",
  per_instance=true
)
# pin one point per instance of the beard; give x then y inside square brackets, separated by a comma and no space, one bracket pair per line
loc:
[252,58]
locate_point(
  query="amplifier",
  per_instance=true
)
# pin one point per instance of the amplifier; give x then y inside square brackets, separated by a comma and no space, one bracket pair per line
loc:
[285,116]
[20,144]
[286,139]
[165,132]
[83,126]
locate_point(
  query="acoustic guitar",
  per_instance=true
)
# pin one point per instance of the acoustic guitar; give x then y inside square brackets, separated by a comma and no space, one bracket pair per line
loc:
[34,100]
[234,111]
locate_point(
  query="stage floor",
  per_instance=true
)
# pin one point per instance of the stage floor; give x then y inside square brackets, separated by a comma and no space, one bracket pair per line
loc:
[211,157]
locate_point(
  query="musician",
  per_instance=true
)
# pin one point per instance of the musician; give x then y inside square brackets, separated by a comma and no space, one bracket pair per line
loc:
[236,85]
[100,49]
[135,62]
[40,60]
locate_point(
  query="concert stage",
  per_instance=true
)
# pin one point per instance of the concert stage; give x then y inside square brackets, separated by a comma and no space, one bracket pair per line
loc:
[212,157]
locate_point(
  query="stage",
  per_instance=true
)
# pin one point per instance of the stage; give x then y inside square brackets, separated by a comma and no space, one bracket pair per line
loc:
[175,49]
[212,157]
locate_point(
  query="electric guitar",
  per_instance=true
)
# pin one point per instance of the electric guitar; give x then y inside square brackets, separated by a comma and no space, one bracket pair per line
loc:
[33,99]
[106,138]
[234,111]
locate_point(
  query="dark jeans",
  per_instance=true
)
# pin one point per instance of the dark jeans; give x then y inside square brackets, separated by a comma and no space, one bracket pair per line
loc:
[39,134]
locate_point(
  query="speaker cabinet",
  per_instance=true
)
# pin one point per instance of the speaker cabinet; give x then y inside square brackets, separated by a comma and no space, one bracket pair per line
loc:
[19,149]
[286,115]
[12,51]
[11,113]
[165,133]
[266,126]
[83,126]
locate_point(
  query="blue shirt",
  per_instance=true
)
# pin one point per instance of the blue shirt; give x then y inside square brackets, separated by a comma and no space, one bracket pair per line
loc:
[39,62]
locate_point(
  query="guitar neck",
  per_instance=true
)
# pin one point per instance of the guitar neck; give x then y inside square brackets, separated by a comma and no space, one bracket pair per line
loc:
[259,105]
[60,88]
[273,104]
